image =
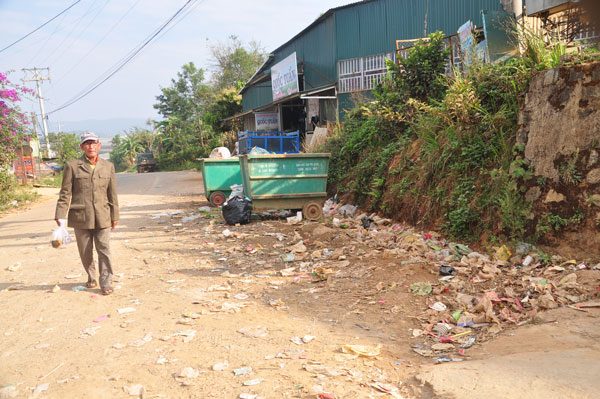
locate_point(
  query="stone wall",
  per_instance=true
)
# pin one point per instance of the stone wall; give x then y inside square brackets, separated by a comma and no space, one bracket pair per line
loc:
[560,129]
[561,116]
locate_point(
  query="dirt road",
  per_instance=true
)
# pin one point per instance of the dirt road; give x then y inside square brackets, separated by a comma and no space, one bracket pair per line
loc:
[218,305]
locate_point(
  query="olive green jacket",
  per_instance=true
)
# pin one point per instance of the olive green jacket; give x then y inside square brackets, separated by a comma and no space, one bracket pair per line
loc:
[88,197]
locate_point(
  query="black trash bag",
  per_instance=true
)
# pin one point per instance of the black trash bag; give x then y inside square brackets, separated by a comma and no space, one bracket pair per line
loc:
[237,210]
[446,270]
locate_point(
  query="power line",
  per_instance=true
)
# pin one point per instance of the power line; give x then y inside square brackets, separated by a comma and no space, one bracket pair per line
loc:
[98,43]
[73,25]
[58,56]
[121,63]
[41,26]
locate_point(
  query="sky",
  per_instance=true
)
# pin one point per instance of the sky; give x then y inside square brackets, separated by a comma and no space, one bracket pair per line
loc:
[81,45]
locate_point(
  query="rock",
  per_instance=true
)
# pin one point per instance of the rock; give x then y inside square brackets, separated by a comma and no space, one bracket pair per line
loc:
[593,177]
[553,196]
[533,194]
[323,231]
[546,301]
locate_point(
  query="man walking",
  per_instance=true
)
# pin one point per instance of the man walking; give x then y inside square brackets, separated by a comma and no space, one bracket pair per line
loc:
[88,199]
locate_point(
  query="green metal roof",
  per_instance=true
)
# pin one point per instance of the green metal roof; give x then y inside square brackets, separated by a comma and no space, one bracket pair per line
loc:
[360,29]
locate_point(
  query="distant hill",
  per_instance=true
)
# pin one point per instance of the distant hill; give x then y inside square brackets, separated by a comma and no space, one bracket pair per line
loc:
[103,128]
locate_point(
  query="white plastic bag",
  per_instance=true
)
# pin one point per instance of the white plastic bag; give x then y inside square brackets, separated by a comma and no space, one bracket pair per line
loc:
[220,153]
[61,236]
[237,190]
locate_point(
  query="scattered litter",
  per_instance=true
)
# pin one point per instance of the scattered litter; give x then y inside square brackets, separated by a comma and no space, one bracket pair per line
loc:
[135,390]
[362,350]
[185,373]
[242,370]
[126,310]
[288,257]
[421,288]
[55,289]
[101,318]
[14,267]
[221,366]
[438,306]
[447,271]
[254,332]
[8,392]
[503,253]
[39,389]
[88,332]
[143,341]
[78,288]
[72,276]
[187,335]
[248,396]
[253,382]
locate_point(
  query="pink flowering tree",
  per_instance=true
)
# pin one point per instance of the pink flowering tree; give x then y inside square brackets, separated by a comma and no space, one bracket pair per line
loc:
[14,128]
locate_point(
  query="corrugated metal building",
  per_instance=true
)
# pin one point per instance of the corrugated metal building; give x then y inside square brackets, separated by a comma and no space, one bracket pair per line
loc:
[344,52]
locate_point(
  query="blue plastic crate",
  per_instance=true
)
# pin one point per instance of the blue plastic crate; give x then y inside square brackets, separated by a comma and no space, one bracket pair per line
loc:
[275,142]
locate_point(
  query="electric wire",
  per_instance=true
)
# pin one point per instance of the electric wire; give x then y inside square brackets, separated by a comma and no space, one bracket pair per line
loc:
[97,43]
[73,25]
[124,61]
[119,64]
[55,55]
[41,26]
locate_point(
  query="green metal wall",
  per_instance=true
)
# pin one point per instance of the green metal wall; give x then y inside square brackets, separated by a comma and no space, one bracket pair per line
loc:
[373,27]
[367,28]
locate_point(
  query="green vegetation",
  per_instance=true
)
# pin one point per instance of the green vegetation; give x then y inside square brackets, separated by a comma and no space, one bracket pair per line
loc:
[567,171]
[441,151]
[66,146]
[52,181]
[12,195]
[193,110]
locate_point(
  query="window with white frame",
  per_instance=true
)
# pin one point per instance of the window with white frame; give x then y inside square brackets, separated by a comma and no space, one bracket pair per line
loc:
[363,73]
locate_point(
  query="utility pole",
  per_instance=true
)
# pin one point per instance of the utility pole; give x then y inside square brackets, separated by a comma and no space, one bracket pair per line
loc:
[37,77]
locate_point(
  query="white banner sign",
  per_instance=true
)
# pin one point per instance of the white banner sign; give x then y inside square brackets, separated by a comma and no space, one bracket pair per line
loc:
[284,77]
[267,121]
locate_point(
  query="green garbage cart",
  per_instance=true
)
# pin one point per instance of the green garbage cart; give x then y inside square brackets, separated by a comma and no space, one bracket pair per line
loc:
[218,176]
[286,181]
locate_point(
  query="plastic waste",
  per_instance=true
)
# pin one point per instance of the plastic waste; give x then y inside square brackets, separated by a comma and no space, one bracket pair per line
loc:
[258,151]
[366,221]
[527,261]
[61,236]
[237,190]
[447,271]
[348,210]
[220,153]
[503,253]
[421,288]
[242,370]
[362,350]
[237,210]
[438,306]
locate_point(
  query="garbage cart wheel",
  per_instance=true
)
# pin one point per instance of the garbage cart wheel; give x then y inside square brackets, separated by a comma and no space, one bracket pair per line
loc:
[312,211]
[216,198]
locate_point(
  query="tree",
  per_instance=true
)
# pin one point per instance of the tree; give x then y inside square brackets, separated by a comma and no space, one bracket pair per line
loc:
[226,103]
[186,97]
[13,132]
[66,146]
[234,65]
